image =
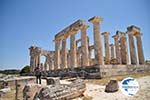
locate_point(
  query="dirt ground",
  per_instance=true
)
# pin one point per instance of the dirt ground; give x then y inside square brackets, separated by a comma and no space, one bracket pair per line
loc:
[96,92]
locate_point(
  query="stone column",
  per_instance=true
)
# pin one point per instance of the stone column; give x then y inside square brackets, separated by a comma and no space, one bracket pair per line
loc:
[97,40]
[133,56]
[57,54]
[49,63]
[112,51]
[68,59]
[124,49]
[139,48]
[107,51]
[73,51]
[32,63]
[64,54]
[117,48]
[78,58]
[84,47]
[36,60]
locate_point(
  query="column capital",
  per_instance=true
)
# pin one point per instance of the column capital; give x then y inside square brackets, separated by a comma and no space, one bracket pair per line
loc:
[115,37]
[84,27]
[138,34]
[111,45]
[95,19]
[105,33]
[121,34]
[134,29]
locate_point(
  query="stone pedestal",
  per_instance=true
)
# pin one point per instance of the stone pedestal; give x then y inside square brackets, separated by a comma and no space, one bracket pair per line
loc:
[97,40]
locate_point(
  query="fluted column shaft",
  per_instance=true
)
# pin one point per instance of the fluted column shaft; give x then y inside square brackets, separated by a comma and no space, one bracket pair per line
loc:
[57,54]
[140,48]
[117,47]
[133,56]
[112,51]
[84,47]
[124,52]
[107,51]
[97,40]
[73,51]
[64,54]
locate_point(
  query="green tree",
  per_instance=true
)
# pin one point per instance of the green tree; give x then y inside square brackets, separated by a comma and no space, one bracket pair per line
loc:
[25,70]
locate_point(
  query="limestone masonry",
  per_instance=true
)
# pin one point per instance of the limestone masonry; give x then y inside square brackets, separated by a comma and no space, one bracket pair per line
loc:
[116,53]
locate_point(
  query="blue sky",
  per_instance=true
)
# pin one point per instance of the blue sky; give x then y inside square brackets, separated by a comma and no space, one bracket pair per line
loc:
[27,22]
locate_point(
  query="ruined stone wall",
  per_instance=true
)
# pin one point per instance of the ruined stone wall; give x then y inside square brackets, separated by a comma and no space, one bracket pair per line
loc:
[114,70]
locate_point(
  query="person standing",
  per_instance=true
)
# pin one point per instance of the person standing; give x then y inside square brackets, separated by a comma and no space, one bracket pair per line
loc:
[37,71]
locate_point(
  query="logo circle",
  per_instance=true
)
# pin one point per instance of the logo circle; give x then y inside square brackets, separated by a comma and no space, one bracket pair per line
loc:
[129,86]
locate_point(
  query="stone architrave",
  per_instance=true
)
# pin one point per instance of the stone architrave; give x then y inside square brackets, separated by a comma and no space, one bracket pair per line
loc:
[84,46]
[97,40]
[57,54]
[117,48]
[107,51]
[73,51]
[64,54]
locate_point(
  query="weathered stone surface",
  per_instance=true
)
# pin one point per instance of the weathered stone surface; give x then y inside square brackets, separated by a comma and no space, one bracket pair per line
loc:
[62,92]
[140,48]
[107,51]
[117,49]
[97,39]
[112,86]
[73,52]
[84,47]
[54,81]
[133,56]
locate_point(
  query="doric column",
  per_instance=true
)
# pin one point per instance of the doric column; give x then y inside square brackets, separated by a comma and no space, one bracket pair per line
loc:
[117,47]
[84,47]
[57,54]
[133,56]
[68,59]
[139,48]
[97,39]
[78,58]
[73,51]
[112,50]
[64,54]
[32,63]
[124,49]
[107,51]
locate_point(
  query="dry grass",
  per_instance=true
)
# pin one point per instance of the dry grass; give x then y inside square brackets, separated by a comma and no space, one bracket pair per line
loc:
[104,81]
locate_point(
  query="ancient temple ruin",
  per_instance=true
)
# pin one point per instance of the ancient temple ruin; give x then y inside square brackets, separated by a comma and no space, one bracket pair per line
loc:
[113,54]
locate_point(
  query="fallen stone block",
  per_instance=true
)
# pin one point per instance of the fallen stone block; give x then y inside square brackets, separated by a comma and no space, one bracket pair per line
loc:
[112,86]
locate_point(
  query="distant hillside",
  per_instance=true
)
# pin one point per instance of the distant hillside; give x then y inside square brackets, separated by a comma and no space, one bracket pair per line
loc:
[10,71]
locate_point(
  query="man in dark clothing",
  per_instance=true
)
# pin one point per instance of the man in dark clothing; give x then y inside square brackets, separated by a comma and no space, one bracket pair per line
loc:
[37,71]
